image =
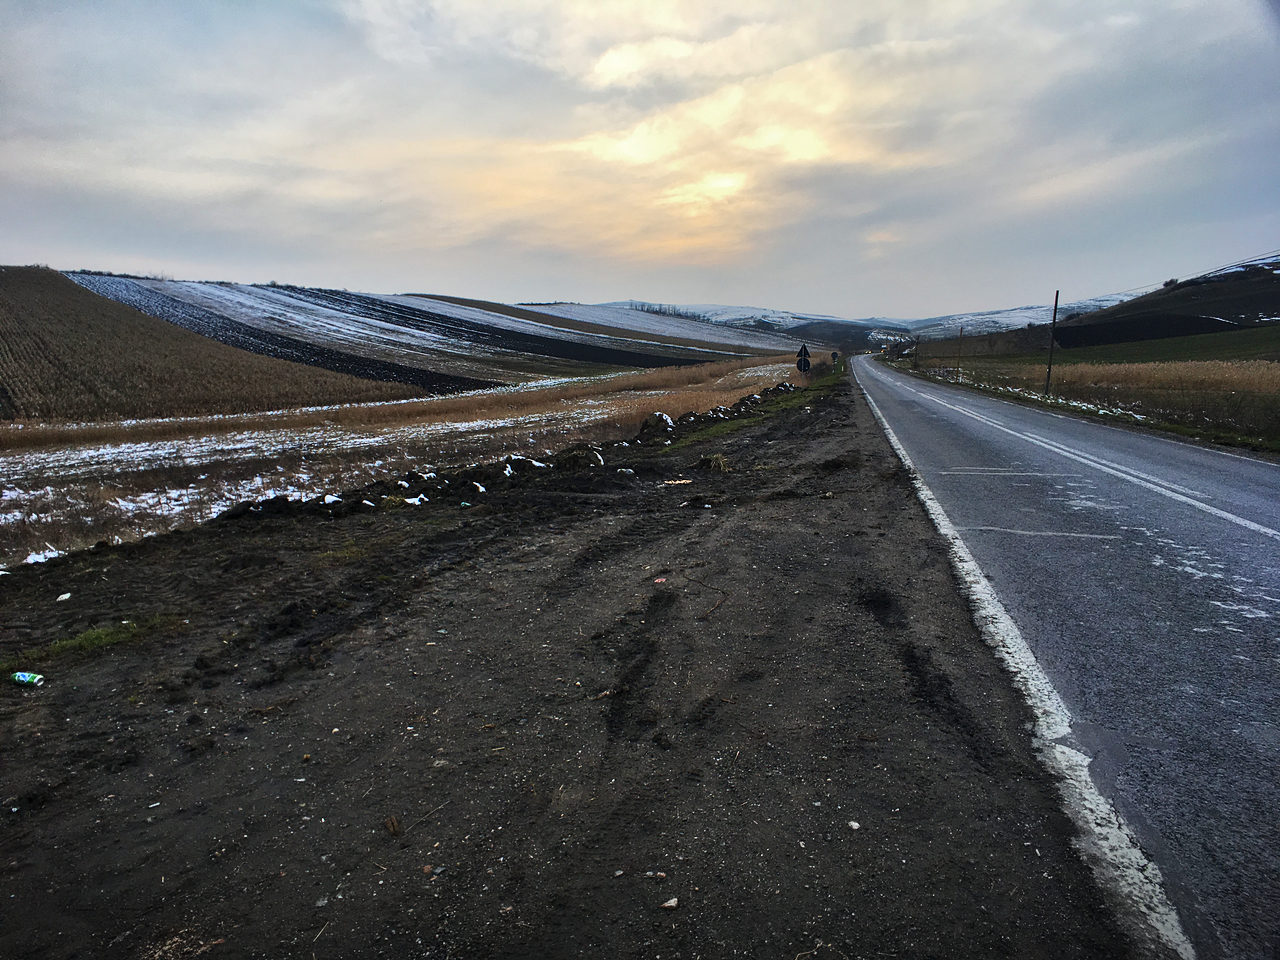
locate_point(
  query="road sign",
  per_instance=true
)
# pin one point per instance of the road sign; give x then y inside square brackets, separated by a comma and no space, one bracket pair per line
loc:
[803,351]
[835,356]
[802,364]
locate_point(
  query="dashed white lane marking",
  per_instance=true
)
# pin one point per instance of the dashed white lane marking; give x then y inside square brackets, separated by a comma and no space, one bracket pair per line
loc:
[1043,533]
[1106,840]
[1156,485]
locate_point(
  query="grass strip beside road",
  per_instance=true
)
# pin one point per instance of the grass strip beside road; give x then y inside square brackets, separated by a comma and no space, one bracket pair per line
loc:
[1229,402]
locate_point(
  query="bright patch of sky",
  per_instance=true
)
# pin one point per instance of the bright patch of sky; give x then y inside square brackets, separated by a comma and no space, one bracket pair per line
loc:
[876,158]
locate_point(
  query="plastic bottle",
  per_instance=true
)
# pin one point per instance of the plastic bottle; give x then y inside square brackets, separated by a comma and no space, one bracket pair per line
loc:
[28,679]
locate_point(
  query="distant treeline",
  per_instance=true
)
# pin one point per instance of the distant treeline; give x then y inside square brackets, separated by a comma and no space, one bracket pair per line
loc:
[666,310]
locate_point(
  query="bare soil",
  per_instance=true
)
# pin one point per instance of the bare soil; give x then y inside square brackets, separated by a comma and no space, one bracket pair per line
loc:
[646,708]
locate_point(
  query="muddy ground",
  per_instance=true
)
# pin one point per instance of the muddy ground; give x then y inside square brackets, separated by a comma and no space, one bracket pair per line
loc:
[647,708]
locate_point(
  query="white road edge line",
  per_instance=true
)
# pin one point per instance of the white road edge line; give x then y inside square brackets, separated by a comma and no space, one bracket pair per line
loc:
[1147,482]
[1105,840]
[1158,438]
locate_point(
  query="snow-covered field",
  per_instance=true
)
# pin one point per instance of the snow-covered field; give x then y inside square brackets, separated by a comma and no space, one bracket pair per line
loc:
[424,333]
[58,498]
[145,487]
[625,317]
[427,332]
[745,317]
[277,310]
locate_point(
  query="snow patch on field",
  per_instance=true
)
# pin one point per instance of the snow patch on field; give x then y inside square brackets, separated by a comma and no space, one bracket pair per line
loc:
[417,331]
[624,317]
[748,317]
[101,480]
[278,311]
[502,321]
[75,493]
[104,459]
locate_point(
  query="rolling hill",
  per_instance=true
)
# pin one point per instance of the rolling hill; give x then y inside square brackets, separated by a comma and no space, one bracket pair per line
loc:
[998,321]
[810,327]
[69,354]
[1237,297]
[443,338]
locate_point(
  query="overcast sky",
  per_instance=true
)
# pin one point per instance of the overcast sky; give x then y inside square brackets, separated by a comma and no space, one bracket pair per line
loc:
[900,158]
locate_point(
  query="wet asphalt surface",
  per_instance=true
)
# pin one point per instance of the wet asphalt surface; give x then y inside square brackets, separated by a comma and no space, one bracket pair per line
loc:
[1145,575]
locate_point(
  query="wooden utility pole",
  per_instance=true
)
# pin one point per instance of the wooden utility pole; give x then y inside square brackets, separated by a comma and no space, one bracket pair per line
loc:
[959,344]
[1053,326]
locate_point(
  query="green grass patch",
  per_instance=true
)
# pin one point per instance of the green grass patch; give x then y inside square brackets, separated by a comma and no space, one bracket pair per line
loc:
[819,388]
[92,641]
[714,431]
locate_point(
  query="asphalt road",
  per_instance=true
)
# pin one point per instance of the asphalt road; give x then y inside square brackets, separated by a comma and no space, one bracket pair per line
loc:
[1144,574]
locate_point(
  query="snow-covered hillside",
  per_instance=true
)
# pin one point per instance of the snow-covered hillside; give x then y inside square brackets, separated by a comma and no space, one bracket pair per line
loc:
[745,317]
[691,323]
[993,321]
[398,337]
[884,328]
[476,338]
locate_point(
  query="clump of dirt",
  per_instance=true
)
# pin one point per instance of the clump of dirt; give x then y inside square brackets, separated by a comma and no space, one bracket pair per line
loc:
[623,704]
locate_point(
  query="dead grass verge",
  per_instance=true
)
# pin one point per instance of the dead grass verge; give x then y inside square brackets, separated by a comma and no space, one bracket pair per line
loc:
[1236,396]
[374,416]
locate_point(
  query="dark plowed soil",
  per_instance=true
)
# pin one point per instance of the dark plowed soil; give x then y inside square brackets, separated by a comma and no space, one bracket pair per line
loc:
[650,708]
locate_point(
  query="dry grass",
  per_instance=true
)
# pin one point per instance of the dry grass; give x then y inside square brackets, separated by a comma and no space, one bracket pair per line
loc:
[1245,376]
[120,504]
[694,383]
[716,463]
[1240,397]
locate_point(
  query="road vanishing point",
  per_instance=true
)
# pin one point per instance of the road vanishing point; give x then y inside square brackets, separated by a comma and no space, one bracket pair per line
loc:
[1144,575]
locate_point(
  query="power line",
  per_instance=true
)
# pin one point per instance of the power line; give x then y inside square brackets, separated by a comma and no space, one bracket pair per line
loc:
[1225,266]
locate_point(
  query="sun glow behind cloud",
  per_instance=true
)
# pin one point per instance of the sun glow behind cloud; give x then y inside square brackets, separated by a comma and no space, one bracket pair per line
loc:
[595,143]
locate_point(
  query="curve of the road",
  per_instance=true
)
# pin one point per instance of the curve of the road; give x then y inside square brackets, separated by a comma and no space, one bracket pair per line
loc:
[1144,576]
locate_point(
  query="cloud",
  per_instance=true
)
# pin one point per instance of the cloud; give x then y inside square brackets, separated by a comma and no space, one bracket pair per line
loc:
[608,138]
[399,31]
[703,178]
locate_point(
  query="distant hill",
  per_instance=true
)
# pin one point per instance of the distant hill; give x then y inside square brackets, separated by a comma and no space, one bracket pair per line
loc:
[998,321]
[811,327]
[69,354]
[1241,296]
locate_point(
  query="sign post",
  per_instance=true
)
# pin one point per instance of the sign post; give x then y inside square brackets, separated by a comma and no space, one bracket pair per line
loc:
[1053,326]
[802,359]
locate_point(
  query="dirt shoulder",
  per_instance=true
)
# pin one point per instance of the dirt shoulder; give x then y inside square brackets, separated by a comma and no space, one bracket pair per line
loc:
[522,727]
